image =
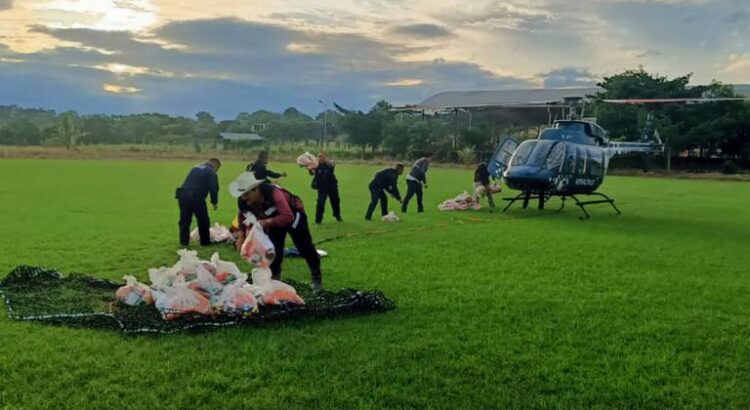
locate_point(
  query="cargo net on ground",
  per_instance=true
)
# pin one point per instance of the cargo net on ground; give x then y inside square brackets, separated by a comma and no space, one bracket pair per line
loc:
[180,300]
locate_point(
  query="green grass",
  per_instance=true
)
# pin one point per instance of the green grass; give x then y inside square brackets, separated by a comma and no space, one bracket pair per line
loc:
[518,310]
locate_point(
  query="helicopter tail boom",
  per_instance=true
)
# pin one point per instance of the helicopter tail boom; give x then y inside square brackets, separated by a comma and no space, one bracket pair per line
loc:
[621,148]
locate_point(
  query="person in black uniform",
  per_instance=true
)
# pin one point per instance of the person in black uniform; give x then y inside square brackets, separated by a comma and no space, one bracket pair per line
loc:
[259,168]
[191,197]
[482,184]
[385,181]
[416,180]
[278,212]
[324,181]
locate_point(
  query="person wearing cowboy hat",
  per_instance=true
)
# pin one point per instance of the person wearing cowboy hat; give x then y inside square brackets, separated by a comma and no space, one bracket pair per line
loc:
[278,212]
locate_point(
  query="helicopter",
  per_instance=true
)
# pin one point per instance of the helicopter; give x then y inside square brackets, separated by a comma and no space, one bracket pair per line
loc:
[570,159]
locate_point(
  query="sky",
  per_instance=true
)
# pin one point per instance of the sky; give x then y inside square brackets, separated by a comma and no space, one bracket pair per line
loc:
[230,56]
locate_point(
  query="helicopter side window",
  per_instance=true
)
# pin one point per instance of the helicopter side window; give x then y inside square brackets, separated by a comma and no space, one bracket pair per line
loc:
[556,156]
[569,165]
[596,162]
[581,162]
[522,153]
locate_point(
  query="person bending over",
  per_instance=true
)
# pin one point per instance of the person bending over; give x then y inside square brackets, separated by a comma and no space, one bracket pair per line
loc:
[278,212]
[191,198]
[384,181]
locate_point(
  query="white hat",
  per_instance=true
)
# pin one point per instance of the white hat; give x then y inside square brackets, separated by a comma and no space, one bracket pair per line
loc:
[245,182]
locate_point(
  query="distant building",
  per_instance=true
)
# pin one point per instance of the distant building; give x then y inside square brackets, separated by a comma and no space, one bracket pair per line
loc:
[258,127]
[236,140]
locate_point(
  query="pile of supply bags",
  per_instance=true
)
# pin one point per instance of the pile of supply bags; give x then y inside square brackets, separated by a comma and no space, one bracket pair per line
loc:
[462,202]
[194,286]
[308,161]
[219,233]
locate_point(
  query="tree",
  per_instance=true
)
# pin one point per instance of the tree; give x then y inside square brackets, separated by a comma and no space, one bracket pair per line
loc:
[69,129]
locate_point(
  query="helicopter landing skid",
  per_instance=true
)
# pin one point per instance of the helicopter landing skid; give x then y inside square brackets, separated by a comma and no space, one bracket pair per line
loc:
[526,197]
[582,204]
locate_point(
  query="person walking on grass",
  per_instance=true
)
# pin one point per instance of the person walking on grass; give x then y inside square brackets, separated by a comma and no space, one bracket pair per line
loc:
[415,181]
[325,182]
[259,168]
[482,184]
[191,198]
[384,181]
[278,212]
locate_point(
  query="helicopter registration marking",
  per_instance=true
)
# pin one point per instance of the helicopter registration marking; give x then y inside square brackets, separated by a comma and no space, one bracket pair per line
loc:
[585,181]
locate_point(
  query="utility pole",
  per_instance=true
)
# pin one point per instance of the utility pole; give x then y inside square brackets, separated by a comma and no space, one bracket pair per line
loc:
[325,124]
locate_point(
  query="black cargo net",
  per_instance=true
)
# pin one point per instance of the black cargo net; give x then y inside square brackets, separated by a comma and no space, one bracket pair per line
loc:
[44,295]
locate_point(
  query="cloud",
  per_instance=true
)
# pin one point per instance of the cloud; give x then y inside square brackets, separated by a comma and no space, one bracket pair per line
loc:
[739,64]
[649,53]
[568,77]
[119,89]
[229,65]
[422,31]
[6,4]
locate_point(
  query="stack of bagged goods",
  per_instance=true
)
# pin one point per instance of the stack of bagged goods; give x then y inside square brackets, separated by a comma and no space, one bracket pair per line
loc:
[391,217]
[308,161]
[215,287]
[259,251]
[462,202]
[219,233]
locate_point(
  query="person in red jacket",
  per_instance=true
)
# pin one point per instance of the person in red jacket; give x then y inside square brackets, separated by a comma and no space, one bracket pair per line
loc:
[278,212]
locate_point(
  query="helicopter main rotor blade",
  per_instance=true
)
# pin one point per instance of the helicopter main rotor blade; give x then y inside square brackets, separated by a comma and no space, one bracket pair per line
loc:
[639,101]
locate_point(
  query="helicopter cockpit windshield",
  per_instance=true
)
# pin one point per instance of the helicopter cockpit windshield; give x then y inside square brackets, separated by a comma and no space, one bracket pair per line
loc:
[547,154]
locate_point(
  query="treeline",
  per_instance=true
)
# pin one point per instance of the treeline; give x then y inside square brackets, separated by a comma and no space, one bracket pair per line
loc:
[708,129]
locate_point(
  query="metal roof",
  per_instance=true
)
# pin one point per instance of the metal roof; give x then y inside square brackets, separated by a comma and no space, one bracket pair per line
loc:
[233,136]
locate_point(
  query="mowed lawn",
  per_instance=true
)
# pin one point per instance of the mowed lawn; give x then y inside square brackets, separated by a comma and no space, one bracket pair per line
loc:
[523,310]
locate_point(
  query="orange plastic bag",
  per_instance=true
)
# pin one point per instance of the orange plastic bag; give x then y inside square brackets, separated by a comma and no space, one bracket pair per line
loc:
[258,249]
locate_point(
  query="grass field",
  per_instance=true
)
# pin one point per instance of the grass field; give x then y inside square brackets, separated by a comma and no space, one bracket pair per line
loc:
[520,310]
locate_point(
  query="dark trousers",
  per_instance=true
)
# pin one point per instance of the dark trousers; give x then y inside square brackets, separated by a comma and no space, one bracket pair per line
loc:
[299,230]
[190,206]
[377,194]
[413,187]
[331,192]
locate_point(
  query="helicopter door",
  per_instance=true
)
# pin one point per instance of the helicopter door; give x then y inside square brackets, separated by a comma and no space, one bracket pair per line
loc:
[501,157]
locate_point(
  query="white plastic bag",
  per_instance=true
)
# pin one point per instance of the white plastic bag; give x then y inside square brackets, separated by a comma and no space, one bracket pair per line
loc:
[272,292]
[226,272]
[162,277]
[134,293]
[237,298]
[391,217]
[179,300]
[218,233]
[188,262]
[258,248]
[207,282]
[307,160]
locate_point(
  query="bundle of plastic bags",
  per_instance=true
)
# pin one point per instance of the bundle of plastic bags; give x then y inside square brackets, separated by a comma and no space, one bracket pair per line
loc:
[219,233]
[195,286]
[462,202]
[307,160]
